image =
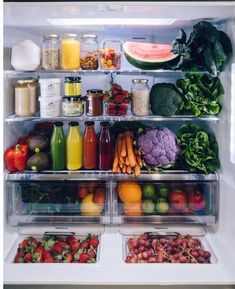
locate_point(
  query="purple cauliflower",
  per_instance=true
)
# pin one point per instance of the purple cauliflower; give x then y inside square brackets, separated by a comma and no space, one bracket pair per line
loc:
[159,147]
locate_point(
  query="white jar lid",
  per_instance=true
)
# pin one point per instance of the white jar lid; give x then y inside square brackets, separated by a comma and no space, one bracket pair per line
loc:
[51,80]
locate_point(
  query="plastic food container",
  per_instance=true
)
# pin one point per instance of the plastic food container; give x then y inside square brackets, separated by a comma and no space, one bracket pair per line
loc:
[49,106]
[72,106]
[110,55]
[116,109]
[50,87]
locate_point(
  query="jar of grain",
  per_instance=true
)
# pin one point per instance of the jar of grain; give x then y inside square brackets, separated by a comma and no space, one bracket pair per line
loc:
[140,104]
[26,97]
[51,52]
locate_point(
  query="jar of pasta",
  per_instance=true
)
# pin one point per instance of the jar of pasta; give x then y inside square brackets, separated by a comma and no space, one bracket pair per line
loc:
[89,52]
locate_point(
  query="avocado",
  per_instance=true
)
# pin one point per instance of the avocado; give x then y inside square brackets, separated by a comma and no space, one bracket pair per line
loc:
[39,162]
[38,143]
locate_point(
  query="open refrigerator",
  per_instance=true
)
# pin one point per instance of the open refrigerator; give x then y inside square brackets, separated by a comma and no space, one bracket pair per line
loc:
[153,22]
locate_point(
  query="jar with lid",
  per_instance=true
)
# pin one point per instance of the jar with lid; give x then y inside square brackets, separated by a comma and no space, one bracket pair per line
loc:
[110,55]
[50,52]
[72,86]
[70,52]
[26,97]
[140,101]
[94,102]
[89,52]
[72,106]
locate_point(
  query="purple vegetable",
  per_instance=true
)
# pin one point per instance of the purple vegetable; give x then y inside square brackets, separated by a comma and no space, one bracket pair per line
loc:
[159,147]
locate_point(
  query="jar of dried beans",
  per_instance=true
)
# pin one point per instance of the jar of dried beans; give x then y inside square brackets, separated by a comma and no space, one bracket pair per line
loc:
[89,52]
[140,104]
[51,52]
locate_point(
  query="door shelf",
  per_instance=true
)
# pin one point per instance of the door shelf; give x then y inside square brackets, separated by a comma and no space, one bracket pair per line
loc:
[49,175]
[83,118]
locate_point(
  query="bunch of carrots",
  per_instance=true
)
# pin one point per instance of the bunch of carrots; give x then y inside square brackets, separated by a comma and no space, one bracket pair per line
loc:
[127,159]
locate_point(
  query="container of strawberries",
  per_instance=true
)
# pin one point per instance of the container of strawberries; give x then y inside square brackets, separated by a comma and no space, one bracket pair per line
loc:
[116,101]
[57,245]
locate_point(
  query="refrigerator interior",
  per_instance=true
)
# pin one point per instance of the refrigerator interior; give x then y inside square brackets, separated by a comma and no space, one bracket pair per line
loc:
[30,21]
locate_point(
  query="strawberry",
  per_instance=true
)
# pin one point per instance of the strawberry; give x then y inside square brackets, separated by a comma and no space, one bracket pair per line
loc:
[84,257]
[37,255]
[24,243]
[68,258]
[94,242]
[91,253]
[85,244]
[19,257]
[57,248]
[70,239]
[47,257]
[119,98]
[74,245]
[28,258]
[117,87]
[49,260]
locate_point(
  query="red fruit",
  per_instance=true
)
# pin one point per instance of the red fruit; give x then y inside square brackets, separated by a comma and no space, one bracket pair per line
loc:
[82,192]
[84,257]
[115,92]
[74,245]
[85,244]
[24,243]
[111,105]
[119,98]
[57,248]
[70,239]
[196,200]
[28,258]
[68,258]
[19,257]
[46,257]
[99,196]
[91,253]
[116,86]
[39,249]
[49,260]
[94,242]
[125,92]
[37,255]
[178,200]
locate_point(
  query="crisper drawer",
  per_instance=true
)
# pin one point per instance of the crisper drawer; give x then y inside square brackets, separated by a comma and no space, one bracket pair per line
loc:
[31,202]
[57,244]
[186,201]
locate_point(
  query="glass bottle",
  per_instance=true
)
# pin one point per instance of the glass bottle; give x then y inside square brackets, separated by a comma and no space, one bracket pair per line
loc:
[58,147]
[70,52]
[140,104]
[50,52]
[89,52]
[74,147]
[106,147]
[89,146]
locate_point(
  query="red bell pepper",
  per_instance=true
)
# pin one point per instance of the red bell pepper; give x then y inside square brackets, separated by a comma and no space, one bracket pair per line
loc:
[16,158]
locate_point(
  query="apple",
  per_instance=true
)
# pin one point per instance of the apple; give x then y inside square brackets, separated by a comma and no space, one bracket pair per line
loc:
[82,192]
[178,200]
[196,200]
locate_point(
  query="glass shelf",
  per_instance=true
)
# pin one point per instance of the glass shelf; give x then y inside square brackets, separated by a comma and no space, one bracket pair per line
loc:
[14,118]
[171,175]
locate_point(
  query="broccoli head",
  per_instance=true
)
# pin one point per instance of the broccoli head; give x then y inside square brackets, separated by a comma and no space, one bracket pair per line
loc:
[165,99]
[159,147]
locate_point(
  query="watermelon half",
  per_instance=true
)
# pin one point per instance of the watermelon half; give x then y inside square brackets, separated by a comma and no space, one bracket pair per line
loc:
[149,55]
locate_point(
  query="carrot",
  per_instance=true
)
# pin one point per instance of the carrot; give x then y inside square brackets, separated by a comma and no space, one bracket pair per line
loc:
[127,162]
[137,170]
[119,144]
[121,160]
[121,165]
[139,161]
[124,169]
[123,147]
[129,170]
[118,170]
[130,152]
[115,161]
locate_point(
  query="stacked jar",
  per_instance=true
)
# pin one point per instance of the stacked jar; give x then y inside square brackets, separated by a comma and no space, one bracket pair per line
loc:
[73,103]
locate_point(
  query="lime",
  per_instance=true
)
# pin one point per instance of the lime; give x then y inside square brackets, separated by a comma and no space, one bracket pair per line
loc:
[163,190]
[149,191]
[148,207]
[162,206]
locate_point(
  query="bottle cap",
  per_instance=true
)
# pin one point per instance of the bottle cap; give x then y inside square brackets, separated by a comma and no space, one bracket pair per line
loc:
[105,123]
[58,123]
[73,123]
[89,123]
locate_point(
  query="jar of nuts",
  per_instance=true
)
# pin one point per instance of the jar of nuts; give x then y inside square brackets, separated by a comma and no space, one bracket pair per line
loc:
[140,101]
[89,52]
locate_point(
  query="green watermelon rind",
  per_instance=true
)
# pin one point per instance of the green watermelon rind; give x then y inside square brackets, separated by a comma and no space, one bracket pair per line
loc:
[150,65]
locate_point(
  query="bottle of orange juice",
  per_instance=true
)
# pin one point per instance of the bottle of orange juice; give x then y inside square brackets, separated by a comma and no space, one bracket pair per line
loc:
[74,147]
[70,52]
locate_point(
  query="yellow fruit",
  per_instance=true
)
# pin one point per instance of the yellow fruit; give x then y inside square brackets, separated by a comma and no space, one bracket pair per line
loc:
[103,61]
[132,209]
[109,62]
[89,208]
[104,66]
[129,192]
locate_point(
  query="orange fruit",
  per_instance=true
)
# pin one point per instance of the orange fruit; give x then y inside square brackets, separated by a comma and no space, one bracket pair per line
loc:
[129,192]
[132,209]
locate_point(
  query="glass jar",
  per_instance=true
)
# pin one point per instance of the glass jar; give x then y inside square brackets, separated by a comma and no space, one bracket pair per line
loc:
[110,55]
[50,52]
[72,86]
[72,106]
[89,52]
[94,102]
[70,52]
[140,101]
[106,147]
[26,97]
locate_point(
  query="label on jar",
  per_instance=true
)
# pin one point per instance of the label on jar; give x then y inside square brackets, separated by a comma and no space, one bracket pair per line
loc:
[72,89]
[73,108]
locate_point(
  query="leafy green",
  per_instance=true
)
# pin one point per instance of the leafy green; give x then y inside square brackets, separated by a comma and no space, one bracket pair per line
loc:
[202,93]
[199,149]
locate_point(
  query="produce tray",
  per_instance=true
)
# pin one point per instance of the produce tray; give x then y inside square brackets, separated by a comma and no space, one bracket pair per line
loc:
[78,231]
[167,231]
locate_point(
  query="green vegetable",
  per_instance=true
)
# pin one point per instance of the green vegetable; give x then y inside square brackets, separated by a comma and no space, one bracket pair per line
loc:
[163,190]
[148,207]
[165,99]
[149,191]
[199,149]
[202,93]
[162,206]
